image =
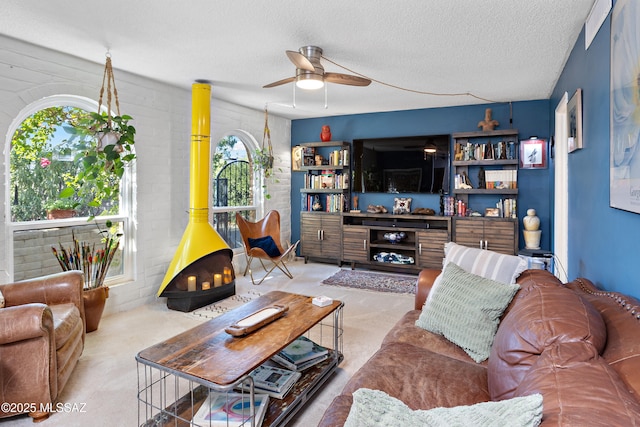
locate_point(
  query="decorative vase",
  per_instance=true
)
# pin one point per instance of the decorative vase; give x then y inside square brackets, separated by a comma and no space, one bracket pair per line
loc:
[531,230]
[531,221]
[325,135]
[94,301]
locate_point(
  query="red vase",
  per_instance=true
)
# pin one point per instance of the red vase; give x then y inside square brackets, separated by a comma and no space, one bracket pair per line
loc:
[325,135]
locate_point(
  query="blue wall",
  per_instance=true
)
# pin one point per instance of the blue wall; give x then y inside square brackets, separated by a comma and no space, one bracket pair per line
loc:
[530,118]
[603,241]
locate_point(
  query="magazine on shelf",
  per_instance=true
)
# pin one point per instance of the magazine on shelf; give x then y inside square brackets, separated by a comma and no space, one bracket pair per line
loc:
[231,409]
[300,366]
[271,380]
[302,350]
[284,390]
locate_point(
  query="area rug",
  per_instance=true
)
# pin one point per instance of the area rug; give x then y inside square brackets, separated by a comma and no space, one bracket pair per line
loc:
[220,307]
[381,282]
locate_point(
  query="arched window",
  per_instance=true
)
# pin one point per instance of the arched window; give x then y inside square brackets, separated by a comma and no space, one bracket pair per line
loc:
[233,185]
[42,159]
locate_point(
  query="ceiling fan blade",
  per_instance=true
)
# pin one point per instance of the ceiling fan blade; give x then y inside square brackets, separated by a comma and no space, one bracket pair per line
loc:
[346,79]
[300,61]
[279,82]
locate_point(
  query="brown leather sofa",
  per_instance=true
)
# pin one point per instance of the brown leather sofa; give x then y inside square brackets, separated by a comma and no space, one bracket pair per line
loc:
[42,330]
[576,345]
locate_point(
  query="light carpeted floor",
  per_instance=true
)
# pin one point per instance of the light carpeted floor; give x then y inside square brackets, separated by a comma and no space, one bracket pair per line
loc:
[104,384]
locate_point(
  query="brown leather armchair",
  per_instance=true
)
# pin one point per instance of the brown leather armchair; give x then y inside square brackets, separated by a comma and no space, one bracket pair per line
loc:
[42,331]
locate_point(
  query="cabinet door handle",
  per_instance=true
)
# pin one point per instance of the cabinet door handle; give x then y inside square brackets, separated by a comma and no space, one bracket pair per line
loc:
[364,244]
[486,244]
[319,235]
[420,248]
[481,245]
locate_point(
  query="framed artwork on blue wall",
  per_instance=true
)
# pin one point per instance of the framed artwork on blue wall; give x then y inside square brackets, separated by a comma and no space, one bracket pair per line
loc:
[624,166]
[533,153]
[574,117]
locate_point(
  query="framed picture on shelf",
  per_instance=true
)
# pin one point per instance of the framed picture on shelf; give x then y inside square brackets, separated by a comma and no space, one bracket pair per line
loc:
[296,158]
[574,118]
[533,153]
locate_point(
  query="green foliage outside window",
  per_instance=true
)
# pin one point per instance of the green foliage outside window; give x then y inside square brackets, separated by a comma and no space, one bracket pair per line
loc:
[45,160]
[230,165]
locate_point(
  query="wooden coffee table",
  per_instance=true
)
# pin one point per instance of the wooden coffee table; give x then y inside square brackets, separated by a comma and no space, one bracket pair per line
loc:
[206,357]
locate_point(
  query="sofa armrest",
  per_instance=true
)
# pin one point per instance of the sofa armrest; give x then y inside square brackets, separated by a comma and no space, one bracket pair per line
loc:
[28,354]
[423,287]
[25,322]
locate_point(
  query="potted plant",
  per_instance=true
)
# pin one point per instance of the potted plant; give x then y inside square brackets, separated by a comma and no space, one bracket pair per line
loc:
[107,143]
[106,149]
[262,158]
[263,161]
[61,208]
[94,263]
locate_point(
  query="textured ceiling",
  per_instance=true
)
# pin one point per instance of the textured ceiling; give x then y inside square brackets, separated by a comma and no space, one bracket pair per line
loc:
[499,50]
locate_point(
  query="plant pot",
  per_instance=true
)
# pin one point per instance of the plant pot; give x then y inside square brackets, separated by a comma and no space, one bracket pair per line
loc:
[94,301]
[107,138]
[60,213]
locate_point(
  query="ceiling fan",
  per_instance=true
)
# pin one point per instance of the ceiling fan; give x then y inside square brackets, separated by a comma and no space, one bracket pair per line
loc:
[310,73]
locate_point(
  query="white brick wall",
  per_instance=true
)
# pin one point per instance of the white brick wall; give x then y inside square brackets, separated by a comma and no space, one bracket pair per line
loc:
[162,117]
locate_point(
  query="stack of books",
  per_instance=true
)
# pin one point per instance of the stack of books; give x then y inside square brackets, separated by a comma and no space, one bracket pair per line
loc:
[231,409]
[275,382]
[301,354]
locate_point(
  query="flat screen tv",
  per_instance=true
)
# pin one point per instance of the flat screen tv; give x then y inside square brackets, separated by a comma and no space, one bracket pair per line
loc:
[408,164]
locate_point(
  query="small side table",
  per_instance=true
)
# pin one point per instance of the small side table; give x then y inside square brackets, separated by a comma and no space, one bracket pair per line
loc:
[539,259]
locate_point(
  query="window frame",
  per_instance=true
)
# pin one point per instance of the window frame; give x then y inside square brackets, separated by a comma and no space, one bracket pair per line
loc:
[126,203]
[250,145]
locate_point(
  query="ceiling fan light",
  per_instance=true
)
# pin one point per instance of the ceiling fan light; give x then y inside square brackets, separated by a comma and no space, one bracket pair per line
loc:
[429,150]
[309,81]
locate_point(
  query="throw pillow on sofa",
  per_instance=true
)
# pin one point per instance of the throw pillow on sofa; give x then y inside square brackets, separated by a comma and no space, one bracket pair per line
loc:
[488,264]
[485,263]
[376,408]
[466,309]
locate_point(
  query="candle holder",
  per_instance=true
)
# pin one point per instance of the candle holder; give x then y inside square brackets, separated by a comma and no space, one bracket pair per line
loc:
[206,286]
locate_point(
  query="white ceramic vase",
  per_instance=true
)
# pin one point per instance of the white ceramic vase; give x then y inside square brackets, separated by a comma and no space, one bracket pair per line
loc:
[531,221]
[531,230]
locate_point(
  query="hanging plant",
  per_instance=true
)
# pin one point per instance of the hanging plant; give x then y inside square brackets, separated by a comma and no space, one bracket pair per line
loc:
[262,157]
[107,142]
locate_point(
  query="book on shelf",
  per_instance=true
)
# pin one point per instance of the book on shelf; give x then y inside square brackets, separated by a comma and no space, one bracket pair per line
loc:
[231,409]
[501,179]
[301,354]
[271,380]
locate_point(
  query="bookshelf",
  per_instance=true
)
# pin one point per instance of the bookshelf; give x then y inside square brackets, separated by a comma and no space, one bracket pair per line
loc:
[327,173]
[496,154]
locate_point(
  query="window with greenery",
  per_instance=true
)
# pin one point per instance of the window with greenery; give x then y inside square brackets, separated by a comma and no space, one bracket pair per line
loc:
[46,158]
[232,182]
